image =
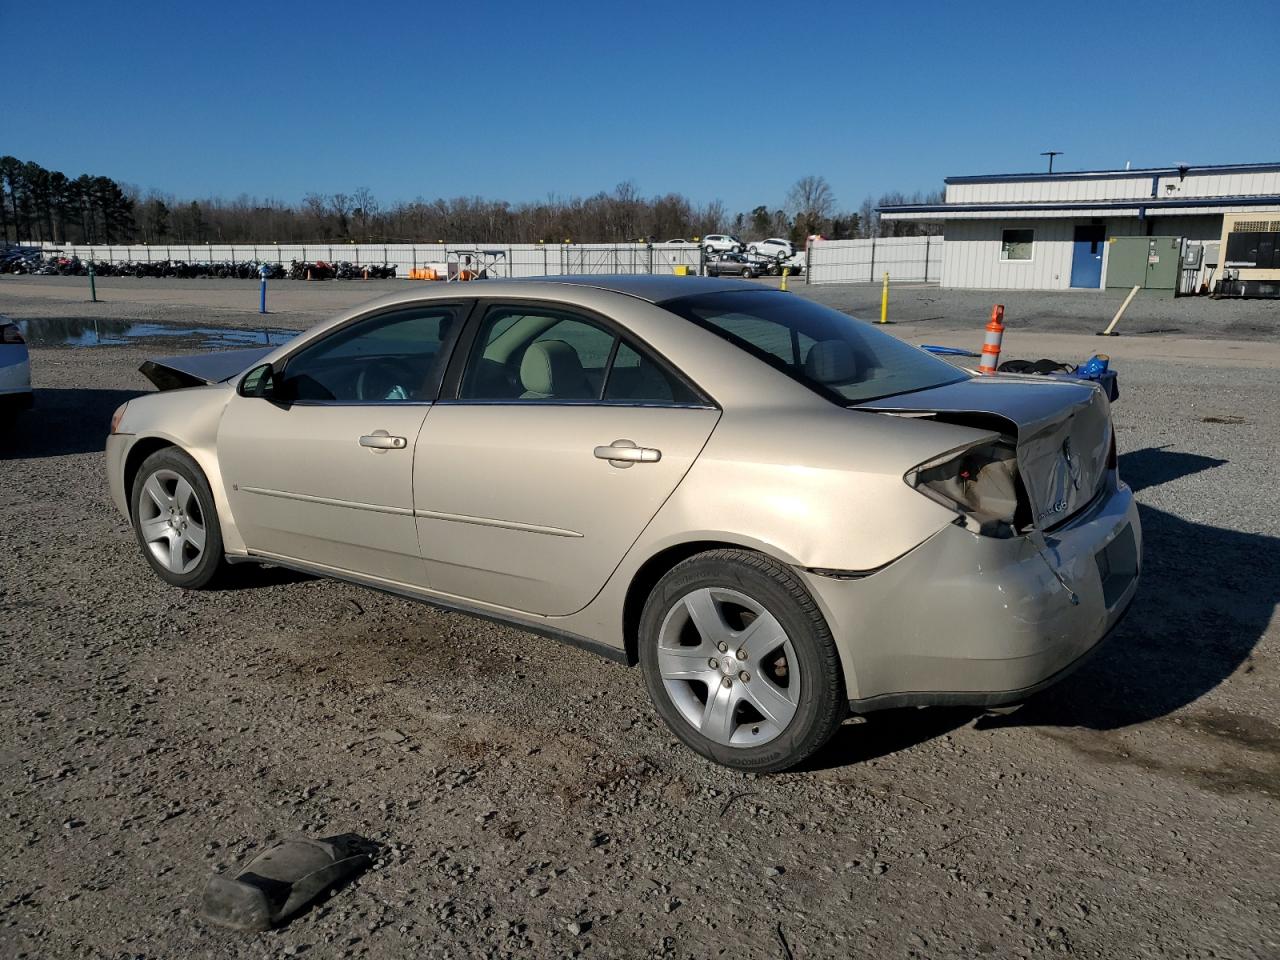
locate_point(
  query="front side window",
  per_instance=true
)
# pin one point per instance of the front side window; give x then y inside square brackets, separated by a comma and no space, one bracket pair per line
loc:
[1016,244]
[844,359]
[390,358]
[535,354]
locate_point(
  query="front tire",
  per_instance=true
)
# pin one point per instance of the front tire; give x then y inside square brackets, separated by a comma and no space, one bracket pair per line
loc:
[740,663]
[176,521]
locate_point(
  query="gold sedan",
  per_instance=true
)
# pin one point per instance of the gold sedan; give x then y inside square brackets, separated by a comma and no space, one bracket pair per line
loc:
[778,511]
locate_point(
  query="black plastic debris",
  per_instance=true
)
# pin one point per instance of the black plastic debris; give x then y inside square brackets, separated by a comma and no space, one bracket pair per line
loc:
[283,879]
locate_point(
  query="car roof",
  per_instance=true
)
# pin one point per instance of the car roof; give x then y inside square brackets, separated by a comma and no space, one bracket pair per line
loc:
[655,288]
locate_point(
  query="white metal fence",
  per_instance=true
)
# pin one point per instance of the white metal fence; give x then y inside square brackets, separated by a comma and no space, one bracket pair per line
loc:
[867,261]
[509,259]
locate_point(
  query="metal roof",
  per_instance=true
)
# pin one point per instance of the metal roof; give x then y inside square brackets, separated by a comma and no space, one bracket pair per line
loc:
[1116,207]
[1185,170]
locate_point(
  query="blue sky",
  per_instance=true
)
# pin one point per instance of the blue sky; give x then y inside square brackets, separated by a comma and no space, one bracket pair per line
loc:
[728,100]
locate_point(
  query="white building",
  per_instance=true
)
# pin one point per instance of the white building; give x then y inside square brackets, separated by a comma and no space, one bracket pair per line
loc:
[1051,231]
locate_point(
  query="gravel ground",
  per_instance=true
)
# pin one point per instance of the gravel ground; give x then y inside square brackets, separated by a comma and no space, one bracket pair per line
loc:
[524,796]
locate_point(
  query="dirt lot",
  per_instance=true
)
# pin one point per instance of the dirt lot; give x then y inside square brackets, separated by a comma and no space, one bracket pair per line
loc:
[525,798]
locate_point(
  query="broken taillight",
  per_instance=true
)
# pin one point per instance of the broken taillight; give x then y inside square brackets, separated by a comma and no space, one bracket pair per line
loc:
[981,484]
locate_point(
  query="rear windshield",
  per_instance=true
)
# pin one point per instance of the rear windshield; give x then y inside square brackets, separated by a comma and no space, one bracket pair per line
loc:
[844,359]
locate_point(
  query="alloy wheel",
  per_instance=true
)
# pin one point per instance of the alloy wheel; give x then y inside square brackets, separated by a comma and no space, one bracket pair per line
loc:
[729,667]
[171,521]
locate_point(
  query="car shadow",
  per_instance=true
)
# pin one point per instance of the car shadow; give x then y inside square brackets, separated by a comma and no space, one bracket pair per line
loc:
[1152,466]
[257,576]
[62,422]
[878,734]
[1207,598]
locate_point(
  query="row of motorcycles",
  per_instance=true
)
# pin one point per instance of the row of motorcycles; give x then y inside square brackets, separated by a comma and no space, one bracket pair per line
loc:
[341,270]
[27,261]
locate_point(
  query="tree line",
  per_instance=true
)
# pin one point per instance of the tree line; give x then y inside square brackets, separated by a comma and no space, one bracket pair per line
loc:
[44,205]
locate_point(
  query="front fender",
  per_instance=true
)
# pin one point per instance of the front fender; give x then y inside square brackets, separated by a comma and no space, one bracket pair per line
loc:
[188,419]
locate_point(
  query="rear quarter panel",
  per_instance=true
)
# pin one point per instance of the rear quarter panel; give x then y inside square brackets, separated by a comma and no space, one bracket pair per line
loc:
[819,487]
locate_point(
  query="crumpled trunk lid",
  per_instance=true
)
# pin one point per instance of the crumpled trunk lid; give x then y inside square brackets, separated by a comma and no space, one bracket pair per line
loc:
[1062,432]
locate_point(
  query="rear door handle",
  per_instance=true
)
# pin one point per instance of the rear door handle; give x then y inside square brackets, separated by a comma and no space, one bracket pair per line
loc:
[623,453]
[380,441]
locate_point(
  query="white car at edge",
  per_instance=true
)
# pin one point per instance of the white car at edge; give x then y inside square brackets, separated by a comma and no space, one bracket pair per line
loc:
[15,368]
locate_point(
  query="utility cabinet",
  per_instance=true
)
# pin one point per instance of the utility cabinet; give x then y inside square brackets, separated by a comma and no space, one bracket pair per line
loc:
[1148,262]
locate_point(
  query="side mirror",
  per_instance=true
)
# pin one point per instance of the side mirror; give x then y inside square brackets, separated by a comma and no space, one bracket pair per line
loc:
[259,382]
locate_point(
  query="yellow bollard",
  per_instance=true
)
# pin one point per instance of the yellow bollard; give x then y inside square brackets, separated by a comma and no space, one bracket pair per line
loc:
[884,299]
[785,271]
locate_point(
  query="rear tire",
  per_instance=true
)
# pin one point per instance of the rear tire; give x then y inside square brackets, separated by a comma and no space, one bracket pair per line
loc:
[175,520]
[765,711]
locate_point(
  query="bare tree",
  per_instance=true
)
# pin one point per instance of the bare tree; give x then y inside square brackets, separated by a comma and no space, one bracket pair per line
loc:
[811,201]
[340,206]
[365,212]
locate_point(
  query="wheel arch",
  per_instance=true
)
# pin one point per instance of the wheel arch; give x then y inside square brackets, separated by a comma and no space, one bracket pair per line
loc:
[656,567]
[141,449]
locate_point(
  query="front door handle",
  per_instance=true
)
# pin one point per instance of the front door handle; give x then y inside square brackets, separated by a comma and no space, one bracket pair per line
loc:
[380,441]
[623,453]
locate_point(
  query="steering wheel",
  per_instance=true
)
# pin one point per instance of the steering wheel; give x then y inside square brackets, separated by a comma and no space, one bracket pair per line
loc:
[386,379]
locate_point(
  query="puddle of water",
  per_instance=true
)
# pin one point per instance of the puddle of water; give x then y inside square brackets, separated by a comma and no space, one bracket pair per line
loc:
[93,332]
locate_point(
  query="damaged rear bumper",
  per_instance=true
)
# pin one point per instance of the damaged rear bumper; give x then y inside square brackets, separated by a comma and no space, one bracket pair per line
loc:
[980,621]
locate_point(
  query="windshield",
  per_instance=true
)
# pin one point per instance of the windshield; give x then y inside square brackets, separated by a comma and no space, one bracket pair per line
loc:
[844,359]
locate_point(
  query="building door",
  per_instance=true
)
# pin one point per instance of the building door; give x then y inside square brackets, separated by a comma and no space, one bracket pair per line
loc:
[1086,259]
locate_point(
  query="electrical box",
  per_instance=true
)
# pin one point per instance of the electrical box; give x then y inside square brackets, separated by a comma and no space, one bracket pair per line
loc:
[1151,263]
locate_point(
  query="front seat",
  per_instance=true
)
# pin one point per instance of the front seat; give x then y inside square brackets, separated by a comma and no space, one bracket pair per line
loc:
[552,370]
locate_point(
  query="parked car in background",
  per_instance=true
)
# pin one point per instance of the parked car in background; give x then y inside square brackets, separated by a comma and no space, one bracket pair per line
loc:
[780,512]
[714,243]
[733,265]
[15,368]
[772,247]
[677,240]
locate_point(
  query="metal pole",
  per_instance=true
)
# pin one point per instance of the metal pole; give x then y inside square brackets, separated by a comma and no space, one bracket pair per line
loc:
[93,287]
[871,279]
[884,299]
[262,305]
[808,260]
[926,258]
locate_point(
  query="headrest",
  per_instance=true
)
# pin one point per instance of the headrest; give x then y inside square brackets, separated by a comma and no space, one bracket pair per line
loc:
[831,361]
[551,369]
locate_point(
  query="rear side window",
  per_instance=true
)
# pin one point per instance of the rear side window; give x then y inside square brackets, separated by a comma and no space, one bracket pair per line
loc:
[635,378]
[844,359]
[523,354]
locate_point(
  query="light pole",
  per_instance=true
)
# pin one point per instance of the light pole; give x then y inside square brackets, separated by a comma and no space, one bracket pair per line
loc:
[1051,154]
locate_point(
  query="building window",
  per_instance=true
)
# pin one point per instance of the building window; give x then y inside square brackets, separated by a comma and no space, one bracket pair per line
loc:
[1016,244]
